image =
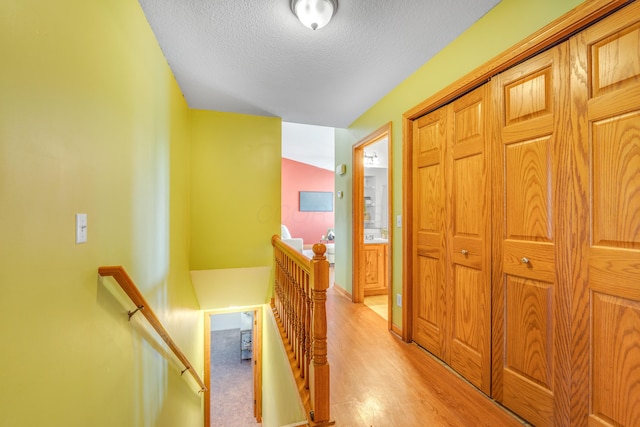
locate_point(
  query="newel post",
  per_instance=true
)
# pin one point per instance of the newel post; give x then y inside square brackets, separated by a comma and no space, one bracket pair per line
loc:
[319,378]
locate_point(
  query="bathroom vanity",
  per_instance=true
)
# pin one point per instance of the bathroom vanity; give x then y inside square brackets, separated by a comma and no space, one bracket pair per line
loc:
[375,270]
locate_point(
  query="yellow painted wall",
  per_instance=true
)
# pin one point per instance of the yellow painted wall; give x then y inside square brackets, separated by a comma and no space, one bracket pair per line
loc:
[91,120]
[505,25]
[235,205]
[232,287]
[235,189]
[281,405]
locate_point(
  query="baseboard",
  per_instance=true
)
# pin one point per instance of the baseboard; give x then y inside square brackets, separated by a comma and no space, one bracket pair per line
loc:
[341,291]
[396,330]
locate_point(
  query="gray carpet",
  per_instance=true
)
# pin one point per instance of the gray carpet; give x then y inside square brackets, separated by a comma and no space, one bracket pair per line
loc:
[231,382]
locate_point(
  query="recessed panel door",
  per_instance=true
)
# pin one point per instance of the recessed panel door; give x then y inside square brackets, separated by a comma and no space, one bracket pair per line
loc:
[610,51]
[429,299]
[469,240]
[529,319]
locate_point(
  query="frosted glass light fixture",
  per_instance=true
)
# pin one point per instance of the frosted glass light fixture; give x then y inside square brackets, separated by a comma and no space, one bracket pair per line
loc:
[314,14]
[371,159]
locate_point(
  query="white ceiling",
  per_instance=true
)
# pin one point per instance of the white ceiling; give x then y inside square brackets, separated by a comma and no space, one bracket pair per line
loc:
[255,57]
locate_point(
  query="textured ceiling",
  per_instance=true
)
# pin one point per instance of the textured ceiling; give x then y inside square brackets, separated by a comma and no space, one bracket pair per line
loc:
[255,57]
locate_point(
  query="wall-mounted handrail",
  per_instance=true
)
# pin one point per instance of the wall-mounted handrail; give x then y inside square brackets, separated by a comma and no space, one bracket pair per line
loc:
[127,285]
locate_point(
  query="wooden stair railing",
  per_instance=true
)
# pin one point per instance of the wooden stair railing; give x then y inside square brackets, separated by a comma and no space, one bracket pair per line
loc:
[299,306]
[127,285]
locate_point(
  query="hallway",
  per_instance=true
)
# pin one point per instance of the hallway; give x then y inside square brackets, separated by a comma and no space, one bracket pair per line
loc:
[378,380]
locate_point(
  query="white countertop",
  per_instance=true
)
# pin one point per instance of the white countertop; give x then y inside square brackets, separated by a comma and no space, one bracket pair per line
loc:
[375,240]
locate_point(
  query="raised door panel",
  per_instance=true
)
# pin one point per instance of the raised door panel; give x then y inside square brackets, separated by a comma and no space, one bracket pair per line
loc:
[428,297]
[611,49]
[468,353]
[615,360]
[375,256]
[371,269]
[614,54]
[527,207]
[528,212]
[616,180]
[469,202]
[429,306]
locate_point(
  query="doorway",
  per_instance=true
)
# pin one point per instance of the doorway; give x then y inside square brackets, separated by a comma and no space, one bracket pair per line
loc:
[233,367]
[372,231]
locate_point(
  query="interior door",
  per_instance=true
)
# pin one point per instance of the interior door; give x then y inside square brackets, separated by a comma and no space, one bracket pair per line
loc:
[257,364]
[469,239]
[609,52]
[429,300]
[529,304]
[375,139]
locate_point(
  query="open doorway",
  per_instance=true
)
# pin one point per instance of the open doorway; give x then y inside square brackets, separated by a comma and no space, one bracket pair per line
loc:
[233,367]
[371,222]
[307,184]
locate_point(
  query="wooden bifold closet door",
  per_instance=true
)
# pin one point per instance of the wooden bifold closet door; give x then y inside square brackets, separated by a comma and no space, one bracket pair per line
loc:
[429,290]
[606,90]
[452,297]
[566,297]
[530,322]
[525,211]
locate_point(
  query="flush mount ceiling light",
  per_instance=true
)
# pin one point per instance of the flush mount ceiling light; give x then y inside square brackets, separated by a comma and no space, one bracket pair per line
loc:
[314,14]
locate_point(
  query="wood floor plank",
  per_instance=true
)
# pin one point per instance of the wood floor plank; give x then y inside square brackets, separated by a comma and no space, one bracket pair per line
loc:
[379,380]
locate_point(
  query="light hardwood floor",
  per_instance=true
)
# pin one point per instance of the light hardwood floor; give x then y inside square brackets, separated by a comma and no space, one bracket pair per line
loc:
[379,380]
[379,304]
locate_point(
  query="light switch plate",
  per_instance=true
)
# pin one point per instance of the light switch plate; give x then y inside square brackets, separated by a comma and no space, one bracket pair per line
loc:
[398,221]
[399,300]
[81,228]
